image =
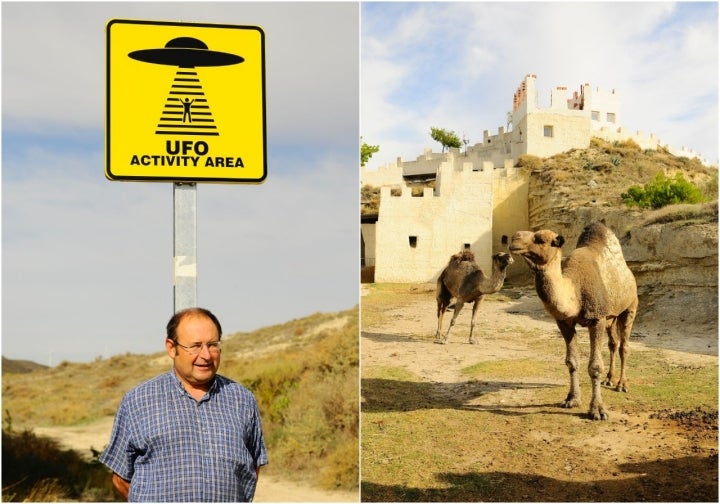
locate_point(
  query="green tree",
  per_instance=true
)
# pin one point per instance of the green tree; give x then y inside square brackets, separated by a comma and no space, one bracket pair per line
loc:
[366,152]
[445,137]
[662,191]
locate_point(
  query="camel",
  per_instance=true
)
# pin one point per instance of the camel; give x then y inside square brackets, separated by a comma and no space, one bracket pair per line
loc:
[592,287]
[463,280]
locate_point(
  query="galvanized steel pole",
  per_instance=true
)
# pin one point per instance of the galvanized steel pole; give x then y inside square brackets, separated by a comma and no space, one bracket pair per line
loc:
[185,245]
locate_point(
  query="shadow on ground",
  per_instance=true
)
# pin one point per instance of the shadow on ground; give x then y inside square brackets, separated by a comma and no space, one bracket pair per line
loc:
[385,395]
[688,479]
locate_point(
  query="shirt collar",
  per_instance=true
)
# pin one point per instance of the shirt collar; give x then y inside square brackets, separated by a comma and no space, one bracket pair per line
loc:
[175,380]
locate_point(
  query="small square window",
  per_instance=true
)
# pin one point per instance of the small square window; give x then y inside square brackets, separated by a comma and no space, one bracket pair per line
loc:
[610,117]
[595,115]
[413,241]
[548,131]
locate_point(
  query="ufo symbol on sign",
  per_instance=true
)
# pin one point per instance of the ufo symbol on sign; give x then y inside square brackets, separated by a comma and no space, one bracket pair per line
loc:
[186,52]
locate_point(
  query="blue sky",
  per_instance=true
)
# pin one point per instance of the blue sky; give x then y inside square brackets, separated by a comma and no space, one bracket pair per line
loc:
[456,65]
[87,263]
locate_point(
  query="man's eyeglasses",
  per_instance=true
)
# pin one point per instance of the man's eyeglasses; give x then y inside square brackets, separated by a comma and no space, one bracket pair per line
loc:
[213,347]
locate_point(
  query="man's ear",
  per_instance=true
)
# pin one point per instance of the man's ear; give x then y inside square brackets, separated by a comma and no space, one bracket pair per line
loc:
[558,241]
[170,347]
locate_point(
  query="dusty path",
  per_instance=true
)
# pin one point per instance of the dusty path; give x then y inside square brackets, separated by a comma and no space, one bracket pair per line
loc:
[650,448]
[271,488]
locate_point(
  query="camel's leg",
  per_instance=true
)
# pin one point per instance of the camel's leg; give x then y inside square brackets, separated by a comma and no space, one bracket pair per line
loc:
[625,323]
[443,298]
[456,312]
[595,369]
[476,305]
[571,361]
[440,313]
[612,335]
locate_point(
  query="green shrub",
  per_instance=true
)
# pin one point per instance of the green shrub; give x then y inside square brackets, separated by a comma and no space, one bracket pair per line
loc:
[662,191]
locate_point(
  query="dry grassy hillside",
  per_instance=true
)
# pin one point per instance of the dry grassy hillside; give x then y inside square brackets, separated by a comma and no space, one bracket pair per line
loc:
[304,374]
[20,366]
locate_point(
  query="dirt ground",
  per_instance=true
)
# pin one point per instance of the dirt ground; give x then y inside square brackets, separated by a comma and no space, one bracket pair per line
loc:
[270,488]
[654,450]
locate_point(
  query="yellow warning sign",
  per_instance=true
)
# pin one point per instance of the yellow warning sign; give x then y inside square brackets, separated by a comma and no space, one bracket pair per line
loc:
[185,102]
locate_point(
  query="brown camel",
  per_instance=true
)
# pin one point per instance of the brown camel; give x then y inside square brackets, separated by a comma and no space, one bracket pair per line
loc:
[592,287]
[463,280]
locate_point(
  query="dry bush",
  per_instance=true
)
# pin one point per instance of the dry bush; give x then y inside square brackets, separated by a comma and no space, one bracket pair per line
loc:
[35,469]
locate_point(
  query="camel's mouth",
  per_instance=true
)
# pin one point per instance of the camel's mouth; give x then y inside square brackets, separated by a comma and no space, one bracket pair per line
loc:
[531,259]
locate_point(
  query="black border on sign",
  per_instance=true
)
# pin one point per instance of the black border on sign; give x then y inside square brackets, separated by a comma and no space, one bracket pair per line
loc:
[108,170]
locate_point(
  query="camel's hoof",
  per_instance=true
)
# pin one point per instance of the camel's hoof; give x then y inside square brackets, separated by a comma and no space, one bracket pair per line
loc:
[621,387]
[570,403]
[440,341]
[607,382]
[598,414]
[472,342]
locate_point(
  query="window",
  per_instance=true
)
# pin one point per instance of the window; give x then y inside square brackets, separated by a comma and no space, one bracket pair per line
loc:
[548,131]
[467,246]
[595,115]
[413,241]
[504,240]
[610,117]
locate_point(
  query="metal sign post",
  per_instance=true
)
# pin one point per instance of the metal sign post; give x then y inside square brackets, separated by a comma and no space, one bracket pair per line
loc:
[185,245]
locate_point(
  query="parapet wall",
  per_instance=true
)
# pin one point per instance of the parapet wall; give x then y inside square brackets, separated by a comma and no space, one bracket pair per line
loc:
[387,175]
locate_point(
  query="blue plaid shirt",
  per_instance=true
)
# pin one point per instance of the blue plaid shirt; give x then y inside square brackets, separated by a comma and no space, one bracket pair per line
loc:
[173,448]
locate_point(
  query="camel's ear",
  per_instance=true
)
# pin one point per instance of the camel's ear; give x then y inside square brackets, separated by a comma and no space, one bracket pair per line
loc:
[558,241]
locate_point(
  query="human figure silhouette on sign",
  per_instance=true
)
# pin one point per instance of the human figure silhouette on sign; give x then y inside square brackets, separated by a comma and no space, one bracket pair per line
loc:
[186,108]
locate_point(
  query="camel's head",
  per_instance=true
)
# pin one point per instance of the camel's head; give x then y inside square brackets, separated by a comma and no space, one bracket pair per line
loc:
[537,248]
[503,260]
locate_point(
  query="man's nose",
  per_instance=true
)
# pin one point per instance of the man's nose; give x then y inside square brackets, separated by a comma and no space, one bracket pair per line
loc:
[205,351]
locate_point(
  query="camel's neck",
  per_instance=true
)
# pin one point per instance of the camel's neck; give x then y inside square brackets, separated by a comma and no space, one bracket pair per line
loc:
[495,282]
[556,291]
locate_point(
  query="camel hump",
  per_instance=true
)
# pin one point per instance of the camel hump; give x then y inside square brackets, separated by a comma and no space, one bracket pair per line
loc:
[597,235]
[465,255]
[604,246]
[593,234]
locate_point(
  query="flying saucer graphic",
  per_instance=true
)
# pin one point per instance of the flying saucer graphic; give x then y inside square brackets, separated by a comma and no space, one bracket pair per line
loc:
[186,110]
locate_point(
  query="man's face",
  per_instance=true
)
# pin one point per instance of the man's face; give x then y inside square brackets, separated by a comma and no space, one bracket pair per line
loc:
[195,371]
